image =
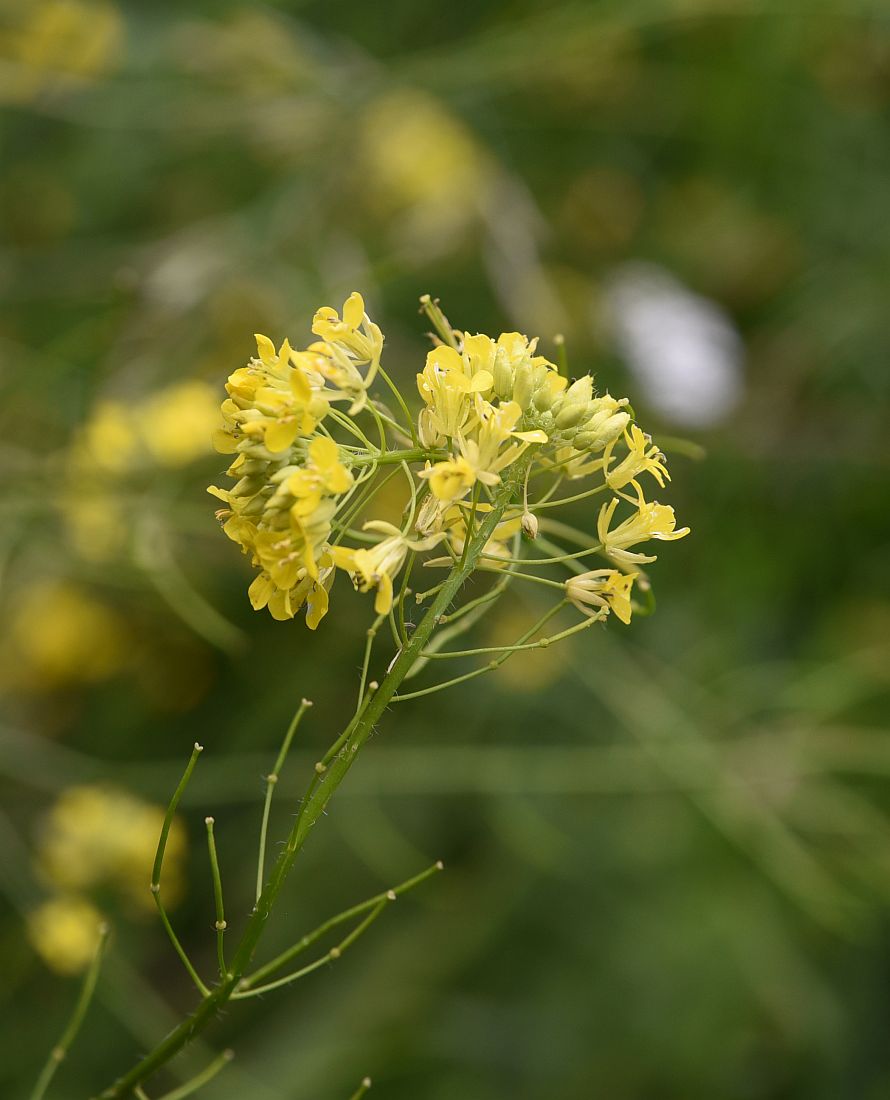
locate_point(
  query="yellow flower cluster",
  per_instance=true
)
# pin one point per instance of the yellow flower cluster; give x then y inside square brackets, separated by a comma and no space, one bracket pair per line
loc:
[291,475]
[96,838]
[494,413]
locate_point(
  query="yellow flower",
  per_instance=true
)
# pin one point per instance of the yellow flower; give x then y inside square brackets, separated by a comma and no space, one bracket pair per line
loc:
[355,337]
[642,456]
[64,932]
[375,567]
[101,836]
[323,474]
[603,590]
[651,521]
[284,603]
[446,387]
[272,402]
[493,425]
[450,480]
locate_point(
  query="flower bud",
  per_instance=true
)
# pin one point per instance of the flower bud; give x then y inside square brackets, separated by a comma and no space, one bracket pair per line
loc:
[529,525]
[549,391]
[503,376]
[523,385]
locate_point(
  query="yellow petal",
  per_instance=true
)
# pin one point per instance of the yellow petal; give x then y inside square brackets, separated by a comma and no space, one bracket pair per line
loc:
[354,310]
[536,436]
[383,599]
[224,442]
[323,452]
[280,435]
[481,382]
[316,606]
[265,348]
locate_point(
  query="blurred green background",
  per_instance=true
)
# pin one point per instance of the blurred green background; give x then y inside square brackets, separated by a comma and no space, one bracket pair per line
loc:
[668,848]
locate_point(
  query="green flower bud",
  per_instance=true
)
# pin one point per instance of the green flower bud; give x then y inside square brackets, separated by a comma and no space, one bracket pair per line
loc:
[549,391]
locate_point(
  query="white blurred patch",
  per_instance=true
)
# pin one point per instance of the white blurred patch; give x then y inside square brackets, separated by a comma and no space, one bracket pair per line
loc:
[682,348]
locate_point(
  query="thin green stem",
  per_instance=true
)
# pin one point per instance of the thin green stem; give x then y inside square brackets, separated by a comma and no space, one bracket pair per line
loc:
[546,561]
[60,1051]
[471,522]
[366,661]
[493,664]
[310,938]
[569,500]
[522,576]
[400,401]
[155,885]
[200,1079]
[349,424]
[404,592]
[217,897]
[271,783]
[412,454]
[329,956]
[362,1089]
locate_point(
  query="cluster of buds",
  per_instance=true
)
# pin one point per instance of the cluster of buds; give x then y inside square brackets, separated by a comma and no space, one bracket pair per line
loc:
[495,418]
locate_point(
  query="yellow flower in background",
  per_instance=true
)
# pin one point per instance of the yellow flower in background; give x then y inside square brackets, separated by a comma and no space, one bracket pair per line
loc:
[102,836]
[651,521]
[177,422]
[419,158]
[109,441]
[64,932]
[60,635]
[54,44]
[602,590]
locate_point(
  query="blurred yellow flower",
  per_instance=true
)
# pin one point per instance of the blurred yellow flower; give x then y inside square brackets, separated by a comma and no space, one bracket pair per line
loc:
[64,932]
[417,155]
[101,836]
[176,423]
[60,635]
[57,43]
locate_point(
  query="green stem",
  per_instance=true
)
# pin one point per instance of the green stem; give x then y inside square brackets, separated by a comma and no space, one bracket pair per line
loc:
[315,802]
[497,661]
[59,1052]
[200,1079]
[271,783]
[310,938]
[412,454]
[217,897]
[159,863]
